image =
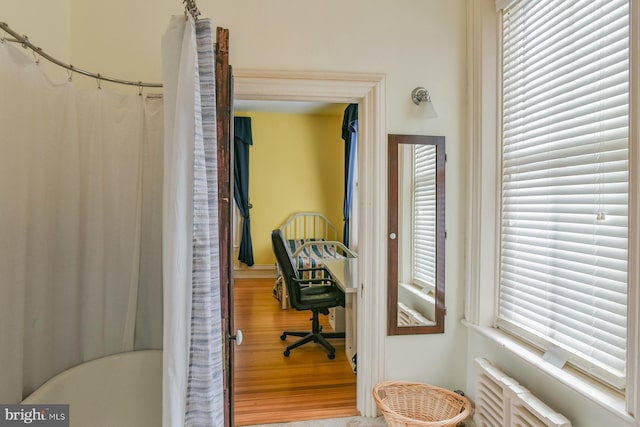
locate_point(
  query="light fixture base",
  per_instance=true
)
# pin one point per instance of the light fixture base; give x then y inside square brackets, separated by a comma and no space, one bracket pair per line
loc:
[419,95]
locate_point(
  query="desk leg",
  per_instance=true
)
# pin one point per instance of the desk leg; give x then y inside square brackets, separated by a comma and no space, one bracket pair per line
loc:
[336,318]
[351,329]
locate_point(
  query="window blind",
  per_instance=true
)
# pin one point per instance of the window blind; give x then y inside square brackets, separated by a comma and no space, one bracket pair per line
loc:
[563,264]
[424,218]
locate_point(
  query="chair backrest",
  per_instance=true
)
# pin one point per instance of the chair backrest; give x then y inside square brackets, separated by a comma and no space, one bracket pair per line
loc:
[287,266]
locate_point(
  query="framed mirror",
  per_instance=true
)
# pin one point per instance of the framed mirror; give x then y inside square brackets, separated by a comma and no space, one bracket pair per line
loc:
[416,235]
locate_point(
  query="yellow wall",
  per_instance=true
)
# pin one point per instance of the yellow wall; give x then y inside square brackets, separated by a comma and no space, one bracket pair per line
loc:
[296,164]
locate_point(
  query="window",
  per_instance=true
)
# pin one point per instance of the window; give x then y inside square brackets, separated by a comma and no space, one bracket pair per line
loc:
[424,217]
[564,181]
[418,188]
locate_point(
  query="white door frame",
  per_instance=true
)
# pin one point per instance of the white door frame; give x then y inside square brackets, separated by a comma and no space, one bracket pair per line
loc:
[368,90]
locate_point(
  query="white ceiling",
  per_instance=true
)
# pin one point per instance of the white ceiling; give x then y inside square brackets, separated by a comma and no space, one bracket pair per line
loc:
[289,107]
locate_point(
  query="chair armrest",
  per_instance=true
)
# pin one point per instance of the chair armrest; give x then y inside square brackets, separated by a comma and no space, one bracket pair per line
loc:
[327,281]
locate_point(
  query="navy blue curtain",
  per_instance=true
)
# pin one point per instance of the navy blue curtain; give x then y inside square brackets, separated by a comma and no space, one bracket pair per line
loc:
[242,141]
[350,136]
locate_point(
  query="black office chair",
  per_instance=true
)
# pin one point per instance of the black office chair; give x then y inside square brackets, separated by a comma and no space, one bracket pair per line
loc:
[316,295]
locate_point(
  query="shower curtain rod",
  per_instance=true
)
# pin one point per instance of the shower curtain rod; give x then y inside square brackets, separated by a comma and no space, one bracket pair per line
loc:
[24,41]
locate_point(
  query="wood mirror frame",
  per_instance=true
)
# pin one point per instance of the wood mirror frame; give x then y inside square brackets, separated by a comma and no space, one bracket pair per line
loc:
[395,142]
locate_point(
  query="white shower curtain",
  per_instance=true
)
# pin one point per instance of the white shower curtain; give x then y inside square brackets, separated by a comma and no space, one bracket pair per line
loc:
[192,381]
[78,200]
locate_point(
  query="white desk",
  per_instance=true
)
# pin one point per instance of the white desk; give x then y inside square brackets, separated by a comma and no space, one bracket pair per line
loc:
[345,272]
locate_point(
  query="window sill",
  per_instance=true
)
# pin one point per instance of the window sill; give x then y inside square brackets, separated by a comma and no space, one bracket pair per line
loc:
[588,388]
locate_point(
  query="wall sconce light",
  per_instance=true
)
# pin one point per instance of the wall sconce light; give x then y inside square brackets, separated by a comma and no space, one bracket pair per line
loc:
[419,96]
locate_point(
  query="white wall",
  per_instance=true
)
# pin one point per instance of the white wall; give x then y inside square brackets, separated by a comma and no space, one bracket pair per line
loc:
[47,23]
[413,42]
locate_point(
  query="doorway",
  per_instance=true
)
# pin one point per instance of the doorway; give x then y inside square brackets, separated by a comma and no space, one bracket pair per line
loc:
[368,91]
[297,164]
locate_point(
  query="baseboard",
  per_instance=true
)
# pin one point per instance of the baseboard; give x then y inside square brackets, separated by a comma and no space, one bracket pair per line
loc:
[264,271]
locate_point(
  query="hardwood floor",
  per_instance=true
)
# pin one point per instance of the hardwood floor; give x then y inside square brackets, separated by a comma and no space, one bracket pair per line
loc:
[269,387]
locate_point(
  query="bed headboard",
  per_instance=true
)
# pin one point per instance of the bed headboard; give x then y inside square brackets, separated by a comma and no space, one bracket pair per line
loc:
[309,225]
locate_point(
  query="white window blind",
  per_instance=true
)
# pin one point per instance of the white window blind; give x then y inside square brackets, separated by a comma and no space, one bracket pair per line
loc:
[424,217]
[565,119]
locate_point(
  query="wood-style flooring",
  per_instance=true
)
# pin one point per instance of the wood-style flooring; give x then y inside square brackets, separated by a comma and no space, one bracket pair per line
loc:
[269,387]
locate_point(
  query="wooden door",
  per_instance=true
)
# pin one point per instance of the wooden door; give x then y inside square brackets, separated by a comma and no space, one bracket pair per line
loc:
[224,109]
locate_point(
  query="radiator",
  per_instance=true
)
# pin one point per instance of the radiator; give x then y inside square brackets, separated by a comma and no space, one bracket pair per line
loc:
[409,317]
[502,402]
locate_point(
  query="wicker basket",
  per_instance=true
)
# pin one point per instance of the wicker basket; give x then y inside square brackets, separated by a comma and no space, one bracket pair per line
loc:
[410,404]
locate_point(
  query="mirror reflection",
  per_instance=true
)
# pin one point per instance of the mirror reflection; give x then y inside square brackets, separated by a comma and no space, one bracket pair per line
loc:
[416,234]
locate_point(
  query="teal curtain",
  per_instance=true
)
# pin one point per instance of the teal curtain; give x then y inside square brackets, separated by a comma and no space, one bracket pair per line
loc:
[243,140]
[350,136]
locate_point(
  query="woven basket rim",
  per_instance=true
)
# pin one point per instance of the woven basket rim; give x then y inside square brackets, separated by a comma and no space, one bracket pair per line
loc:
[466,404]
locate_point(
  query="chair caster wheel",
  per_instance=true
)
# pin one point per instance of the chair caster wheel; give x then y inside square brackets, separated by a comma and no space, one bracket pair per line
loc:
[287,353]
[331,356]
[283,337]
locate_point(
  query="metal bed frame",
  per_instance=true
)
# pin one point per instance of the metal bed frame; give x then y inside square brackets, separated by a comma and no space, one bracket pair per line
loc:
[316,237]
